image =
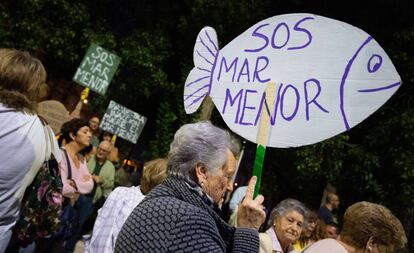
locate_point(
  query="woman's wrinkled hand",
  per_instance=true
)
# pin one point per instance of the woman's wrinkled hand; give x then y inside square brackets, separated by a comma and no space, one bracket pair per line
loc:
[251,212]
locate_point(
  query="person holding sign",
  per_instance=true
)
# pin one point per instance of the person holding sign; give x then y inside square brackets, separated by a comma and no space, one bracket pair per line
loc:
[180,212]
[113,155]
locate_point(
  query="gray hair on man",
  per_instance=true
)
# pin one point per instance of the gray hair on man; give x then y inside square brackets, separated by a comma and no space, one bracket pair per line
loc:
[200,142]
[285,206]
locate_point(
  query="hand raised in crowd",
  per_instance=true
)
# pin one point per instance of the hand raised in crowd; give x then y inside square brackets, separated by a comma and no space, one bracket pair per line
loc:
[97,179]
[250,212]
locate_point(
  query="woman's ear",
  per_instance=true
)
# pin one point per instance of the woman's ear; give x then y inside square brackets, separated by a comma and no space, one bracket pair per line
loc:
[72,136]
[370,243]
[201,174]
[275,221]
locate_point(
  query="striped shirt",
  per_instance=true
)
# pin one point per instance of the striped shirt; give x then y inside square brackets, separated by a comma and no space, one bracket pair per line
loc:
[111,217]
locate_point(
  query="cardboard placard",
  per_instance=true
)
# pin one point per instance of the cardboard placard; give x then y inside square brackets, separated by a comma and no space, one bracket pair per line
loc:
[123,122]
[328,76]
[97,69]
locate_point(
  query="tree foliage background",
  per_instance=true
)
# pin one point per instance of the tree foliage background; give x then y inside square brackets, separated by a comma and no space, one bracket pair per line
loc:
[374,161]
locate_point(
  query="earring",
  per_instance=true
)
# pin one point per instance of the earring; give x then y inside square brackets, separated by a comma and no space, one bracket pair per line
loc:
[369,248]
[202,184]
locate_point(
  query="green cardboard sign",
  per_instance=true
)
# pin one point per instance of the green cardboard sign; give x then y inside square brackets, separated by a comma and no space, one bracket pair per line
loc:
[97,69]
[123,122]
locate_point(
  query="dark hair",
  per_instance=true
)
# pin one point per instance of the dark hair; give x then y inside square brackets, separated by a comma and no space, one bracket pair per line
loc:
[106,134]
[86,150]
[71,126]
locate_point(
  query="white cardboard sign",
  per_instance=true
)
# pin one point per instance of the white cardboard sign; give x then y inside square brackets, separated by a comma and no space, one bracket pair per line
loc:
[329,76]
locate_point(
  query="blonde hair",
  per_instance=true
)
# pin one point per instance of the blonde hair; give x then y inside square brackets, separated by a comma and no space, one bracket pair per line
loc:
[364,220]
[22,79]
[154,173]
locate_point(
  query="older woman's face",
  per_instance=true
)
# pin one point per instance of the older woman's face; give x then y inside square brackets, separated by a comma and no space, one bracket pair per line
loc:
[310,227]
[217,184]
[289,226]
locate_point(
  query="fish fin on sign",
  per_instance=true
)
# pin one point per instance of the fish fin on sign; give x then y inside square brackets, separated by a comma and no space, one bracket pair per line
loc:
[198,83]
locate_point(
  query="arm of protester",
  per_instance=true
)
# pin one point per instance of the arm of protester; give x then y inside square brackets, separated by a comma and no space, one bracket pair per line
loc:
[69,188]
[76,112]
[85,186]
[108,180]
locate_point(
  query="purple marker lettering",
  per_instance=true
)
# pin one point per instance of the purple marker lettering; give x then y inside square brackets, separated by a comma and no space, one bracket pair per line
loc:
[381,88]
[244,71]
[289,118]
[228,68]
[276,106]
[260,35]
[232,102]
[313,100]
[246,107]
[374,66]
[300,29]
[343,81]
[257,71]
[274,35]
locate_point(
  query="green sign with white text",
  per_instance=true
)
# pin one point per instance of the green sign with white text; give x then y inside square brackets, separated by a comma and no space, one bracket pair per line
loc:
[97,69]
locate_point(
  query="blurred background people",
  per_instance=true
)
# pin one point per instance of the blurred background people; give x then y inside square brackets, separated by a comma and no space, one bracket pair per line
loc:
[285,226]
[119,206]
[331,230]
[103,174]
[325,211]
[113,155]
[234,203]
[94,127]
[309,231]
[367,227]
[24,142]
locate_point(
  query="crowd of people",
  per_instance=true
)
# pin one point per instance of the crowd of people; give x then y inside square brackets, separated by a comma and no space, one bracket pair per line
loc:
[176,207]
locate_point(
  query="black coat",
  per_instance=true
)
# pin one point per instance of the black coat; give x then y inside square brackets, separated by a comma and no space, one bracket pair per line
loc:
[177,217]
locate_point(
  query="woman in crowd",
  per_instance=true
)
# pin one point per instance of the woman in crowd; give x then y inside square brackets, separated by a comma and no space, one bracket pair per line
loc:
[77,136]
[367,228]
[24,142]
[309,234]
[285,227]
[119,206]
[179,214]
[113,155]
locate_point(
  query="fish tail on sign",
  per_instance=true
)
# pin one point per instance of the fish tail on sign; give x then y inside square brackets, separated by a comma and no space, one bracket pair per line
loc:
[198,83]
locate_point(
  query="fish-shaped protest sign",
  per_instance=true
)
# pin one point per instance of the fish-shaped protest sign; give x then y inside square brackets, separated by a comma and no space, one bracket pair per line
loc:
[328,77]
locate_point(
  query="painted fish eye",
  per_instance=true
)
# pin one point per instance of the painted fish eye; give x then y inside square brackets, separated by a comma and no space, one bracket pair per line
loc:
[374,63]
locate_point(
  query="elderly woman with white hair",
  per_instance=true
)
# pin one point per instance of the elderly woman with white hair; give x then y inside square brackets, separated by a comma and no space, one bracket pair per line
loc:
[285,226]
[179,215]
